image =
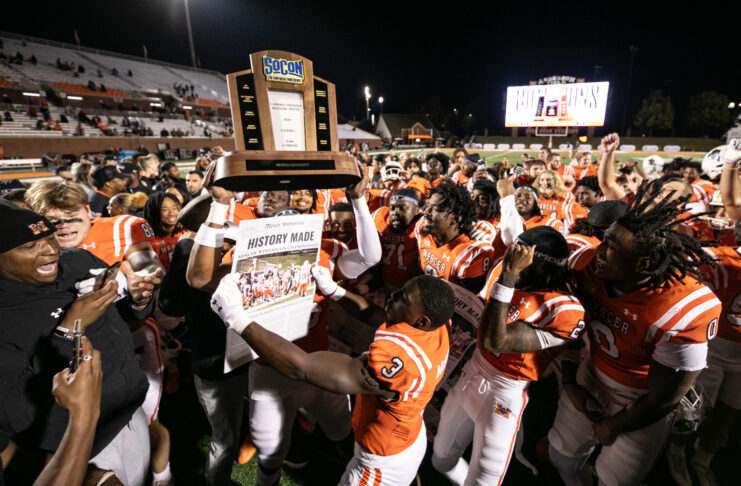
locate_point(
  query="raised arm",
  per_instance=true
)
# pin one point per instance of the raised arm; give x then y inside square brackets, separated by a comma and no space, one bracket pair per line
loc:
[353,263]
[510,223]
[606,168]
[334,372]
[496,335]
[730,185]
[204,265]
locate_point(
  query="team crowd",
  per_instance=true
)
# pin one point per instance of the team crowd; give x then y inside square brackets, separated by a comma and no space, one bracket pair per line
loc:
[622,280]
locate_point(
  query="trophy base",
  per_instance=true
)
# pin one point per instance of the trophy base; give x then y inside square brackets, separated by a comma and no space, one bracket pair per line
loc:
[258,170]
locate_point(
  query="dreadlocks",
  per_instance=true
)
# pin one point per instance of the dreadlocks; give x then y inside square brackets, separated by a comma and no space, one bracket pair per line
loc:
[458,201]
[673,255]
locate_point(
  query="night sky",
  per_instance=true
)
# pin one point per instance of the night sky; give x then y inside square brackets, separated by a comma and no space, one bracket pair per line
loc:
[413,54]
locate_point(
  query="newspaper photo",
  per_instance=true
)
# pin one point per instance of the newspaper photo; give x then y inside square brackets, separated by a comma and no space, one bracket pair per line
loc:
[273,257]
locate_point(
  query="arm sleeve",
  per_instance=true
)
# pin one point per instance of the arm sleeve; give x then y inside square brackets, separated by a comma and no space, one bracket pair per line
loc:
[681,356]
[510,225]
[369,251]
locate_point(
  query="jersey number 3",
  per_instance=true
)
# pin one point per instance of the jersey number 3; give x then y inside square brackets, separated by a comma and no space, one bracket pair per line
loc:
[390,372]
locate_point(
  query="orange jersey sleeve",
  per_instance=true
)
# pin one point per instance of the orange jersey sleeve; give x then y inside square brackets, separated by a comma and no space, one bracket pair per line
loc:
[576,241]
[409,362]
[556,312]
[110,238]
[458,259]
[378,198]
[238,212]
[725,280]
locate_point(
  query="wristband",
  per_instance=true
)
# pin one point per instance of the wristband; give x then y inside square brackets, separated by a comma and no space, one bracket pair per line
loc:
[210,237]
[217,214]
[338,294]
[240,325]
[501,293]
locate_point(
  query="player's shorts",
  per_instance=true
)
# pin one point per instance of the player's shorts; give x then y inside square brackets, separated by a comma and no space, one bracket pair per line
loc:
[366,469]
[627,460]
[484,407]
[721,380]
[147,344]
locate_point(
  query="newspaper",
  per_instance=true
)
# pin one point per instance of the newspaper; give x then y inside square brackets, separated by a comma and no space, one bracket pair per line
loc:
[273,257]
[463,334]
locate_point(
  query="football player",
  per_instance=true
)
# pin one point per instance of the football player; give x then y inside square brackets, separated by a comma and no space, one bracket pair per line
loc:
[393,382]
[529,317]
[649,325]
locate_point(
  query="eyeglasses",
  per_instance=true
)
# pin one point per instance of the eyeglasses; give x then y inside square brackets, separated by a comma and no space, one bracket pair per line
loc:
[65,221]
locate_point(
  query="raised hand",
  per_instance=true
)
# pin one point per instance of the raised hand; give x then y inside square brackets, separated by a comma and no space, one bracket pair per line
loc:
[219,194]
[89,307]
[517,258]
[141,286]
[732,153]
[357,190]
[610,143]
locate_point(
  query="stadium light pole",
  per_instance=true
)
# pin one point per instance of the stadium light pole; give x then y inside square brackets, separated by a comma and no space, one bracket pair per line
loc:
[190,34]
[367,102]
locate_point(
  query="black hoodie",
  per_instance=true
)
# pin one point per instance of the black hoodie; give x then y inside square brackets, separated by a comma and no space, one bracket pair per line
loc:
[30,355]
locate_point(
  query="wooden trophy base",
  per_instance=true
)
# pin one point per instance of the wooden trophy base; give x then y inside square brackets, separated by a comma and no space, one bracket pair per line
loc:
[259,170]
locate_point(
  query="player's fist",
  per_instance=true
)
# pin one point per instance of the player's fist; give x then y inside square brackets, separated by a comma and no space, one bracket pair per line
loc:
[325,284]
[227,303]
[610,143]
[732,154]
[517,258]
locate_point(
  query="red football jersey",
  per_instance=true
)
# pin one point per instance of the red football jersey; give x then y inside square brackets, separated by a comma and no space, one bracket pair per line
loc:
[458,259]
[400,259]
[725,280]
[556,312]
[703,191]
[164,246]
[625,329]
[438,181]
[588,172]
[238,211]
[551,221]
[411,363]
[110,238]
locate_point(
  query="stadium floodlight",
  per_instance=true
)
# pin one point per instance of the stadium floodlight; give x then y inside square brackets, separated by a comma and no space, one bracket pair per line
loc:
[76,98]
[367,102]
[28,93]
[731,105]
[380,103]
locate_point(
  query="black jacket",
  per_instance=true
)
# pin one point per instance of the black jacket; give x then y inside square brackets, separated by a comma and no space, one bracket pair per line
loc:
[208,331]
[99,204]
[30,355]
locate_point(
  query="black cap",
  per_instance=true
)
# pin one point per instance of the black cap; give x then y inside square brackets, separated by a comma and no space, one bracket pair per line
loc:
[21,226]
[550,246]
[8,185]
[105,173]
[127,168]
[604,213]
[165,166]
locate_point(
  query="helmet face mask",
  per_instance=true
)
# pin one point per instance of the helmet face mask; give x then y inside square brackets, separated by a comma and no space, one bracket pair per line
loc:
[652,166]
[712,163]
[689,412]
[391,171]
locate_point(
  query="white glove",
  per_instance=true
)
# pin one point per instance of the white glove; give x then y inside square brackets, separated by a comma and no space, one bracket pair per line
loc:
[227,303]
[325,284]
[93,283]
[732,153]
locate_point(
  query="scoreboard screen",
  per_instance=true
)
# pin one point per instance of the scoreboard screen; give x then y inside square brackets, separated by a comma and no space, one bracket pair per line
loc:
[557,105]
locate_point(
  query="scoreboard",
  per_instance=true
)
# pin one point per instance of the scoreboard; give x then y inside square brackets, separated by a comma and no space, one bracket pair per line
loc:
[557,105]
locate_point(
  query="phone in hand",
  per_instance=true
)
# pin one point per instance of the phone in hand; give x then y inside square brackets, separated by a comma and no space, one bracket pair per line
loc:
[110,274]
[76,346]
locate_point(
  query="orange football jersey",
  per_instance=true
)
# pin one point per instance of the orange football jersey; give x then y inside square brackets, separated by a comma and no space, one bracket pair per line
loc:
[725,280]
[539,220]
[238,211]
[556,312]
[555,206]
[400,258]
[458,259]
[625,329]
[378,198]
[576,241]
[438,181]
[411,363]
[564,171]
[703,191]
[483,230]
[588,172]
[164,246]
[110,238]
[460,178]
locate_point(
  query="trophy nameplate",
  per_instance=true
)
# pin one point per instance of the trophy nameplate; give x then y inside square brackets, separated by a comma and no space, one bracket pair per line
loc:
[285,128]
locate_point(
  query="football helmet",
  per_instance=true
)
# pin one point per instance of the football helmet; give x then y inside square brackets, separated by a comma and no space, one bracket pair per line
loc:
[712,163]
[689,412]
[652,166]
[391,171]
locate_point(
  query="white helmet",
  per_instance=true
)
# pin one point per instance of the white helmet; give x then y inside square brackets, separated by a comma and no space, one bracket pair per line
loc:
[689,411]
[652,166]
[712,163]
[391,171]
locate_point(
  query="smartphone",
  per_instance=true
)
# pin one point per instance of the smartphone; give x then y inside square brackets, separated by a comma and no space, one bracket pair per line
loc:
[110,274]
[76,346]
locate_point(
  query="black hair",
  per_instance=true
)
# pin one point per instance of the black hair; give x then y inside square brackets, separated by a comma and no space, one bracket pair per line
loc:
[341,207]
[313,199]
[651,220]
[196,172]
[61,168]
[677,164]
[442,158]
[583,227]
[489,188]
[457,200]
[438,301]
[182,190]
[590,182]
[152,211]
[406,191]
[737,231]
